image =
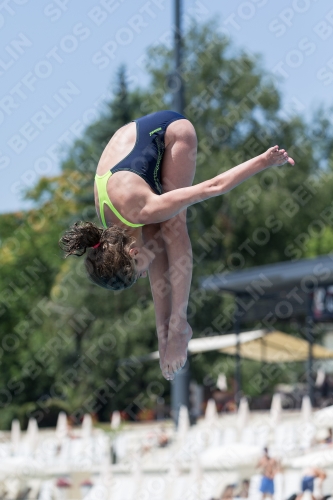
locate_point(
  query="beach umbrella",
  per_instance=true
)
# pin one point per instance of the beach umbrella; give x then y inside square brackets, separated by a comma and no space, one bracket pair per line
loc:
[276,409]
[15,436]
[86,431]
[61,428]
[243,414]
[183,422]
[121,446]
[320,379]
[211,415]
[306,409]
[115,420]
[32,434]
[222,382]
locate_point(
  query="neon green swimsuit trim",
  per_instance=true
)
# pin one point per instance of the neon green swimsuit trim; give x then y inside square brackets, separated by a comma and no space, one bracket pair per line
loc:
[103,198]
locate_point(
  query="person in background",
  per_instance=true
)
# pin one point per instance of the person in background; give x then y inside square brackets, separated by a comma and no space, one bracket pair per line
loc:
[307,484]
[244,489]
[309,475]
[269,467]
[228,492]
[163,439]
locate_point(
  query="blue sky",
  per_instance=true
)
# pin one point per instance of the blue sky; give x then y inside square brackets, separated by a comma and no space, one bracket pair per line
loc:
[58,59]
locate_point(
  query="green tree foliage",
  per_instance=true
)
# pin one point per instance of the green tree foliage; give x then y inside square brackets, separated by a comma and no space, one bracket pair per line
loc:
[61,336]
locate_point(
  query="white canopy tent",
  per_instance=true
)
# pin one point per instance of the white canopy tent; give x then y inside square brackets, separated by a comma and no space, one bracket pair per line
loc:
[259,345]
[216,343]
[275,284]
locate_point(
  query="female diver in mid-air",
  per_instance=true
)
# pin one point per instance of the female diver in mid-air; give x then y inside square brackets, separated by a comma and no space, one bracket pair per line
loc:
[143,186]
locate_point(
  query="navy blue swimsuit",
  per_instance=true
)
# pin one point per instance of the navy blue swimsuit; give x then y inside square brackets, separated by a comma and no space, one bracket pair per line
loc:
[146,156]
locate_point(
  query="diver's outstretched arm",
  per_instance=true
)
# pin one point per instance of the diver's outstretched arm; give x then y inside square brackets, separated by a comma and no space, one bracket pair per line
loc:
[168,205]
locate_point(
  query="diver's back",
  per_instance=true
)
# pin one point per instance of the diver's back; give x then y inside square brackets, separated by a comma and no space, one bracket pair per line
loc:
[120,145]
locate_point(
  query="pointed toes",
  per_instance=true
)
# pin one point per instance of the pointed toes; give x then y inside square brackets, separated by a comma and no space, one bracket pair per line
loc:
[170,369]
[175,366]
[167,372]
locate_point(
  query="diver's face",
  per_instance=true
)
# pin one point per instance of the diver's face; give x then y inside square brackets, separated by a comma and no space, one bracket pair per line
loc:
[142,258]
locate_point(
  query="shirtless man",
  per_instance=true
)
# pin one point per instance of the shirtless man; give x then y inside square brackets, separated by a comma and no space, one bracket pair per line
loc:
[308,478]
[269,468]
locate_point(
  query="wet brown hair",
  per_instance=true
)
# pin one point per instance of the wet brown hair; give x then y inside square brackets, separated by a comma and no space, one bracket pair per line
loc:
[110,264]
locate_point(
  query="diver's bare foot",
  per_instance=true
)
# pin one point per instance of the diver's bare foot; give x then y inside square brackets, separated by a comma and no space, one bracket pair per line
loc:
[276,157]
[162,345]
[176,352]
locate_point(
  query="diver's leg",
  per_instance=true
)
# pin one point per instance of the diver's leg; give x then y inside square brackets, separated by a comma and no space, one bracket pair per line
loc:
[177,171]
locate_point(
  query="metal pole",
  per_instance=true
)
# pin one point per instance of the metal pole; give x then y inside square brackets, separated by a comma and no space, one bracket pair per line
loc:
[177,81]
[238,375]
[309,336]
[180,391]
[180,387]
[263,353]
